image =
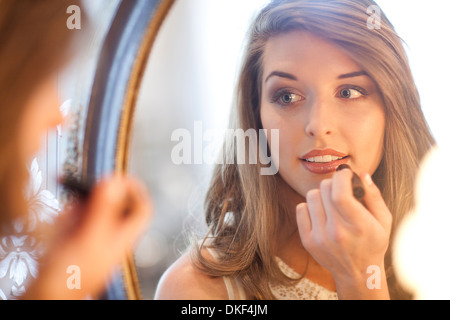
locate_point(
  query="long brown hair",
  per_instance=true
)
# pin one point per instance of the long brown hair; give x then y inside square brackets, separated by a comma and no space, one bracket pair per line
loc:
[34,42]
[245,242]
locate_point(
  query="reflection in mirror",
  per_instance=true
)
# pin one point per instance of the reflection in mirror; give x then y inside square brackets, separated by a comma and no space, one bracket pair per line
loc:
[187,92]
[188,84]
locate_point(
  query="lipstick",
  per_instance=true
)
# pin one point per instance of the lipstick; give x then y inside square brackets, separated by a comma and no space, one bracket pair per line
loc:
[358,189]
[323,161]
[75,187]
[81,190]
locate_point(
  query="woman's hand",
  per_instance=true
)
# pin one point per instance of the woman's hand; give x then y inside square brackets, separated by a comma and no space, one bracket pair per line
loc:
[346,237]
[96,236]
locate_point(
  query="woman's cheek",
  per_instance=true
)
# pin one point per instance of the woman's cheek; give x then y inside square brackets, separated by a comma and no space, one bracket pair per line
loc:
[41,113]
[371,139]
[267,122]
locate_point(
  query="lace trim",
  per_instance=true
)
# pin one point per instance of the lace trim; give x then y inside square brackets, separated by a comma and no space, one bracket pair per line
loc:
[304,289]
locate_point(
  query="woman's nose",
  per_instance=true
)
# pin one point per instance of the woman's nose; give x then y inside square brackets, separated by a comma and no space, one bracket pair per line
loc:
[320,120]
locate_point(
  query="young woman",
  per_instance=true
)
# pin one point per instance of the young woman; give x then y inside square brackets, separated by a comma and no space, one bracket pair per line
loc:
[340,91]
[94,235]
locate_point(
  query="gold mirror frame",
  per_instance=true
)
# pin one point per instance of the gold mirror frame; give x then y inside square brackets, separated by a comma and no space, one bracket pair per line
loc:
[109,123]
[131,281]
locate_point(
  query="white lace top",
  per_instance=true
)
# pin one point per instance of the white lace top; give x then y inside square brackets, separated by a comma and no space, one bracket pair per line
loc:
[304,289]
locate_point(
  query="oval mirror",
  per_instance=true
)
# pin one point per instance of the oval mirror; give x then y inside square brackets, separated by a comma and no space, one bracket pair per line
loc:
[142,115]
[186,95]
[108,124]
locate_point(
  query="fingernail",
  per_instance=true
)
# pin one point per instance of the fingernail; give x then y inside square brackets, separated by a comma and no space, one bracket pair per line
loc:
[300,206]
[368,179]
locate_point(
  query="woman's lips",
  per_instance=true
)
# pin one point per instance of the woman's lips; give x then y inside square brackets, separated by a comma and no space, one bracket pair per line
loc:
[323,161]
[323,167]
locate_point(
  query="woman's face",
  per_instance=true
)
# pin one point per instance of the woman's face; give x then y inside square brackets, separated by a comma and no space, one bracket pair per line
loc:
[41,114]
[327,110]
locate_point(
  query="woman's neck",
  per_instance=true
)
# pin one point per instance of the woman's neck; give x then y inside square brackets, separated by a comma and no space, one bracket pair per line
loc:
[288,227]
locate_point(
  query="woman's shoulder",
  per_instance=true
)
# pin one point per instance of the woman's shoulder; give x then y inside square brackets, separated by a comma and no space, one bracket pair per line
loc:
[184,281]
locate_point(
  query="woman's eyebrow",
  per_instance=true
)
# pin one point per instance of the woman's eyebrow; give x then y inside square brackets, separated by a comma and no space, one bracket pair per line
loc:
[353,74]
[292,77]
[281,75]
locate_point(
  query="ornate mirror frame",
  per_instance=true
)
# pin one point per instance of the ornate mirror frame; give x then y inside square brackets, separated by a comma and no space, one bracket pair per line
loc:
[109,120]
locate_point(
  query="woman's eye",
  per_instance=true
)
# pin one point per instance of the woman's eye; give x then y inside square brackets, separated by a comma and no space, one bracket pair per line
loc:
[350,93]
[289,98]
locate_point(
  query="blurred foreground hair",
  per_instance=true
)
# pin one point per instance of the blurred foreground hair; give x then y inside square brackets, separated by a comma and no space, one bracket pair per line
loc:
[34,43]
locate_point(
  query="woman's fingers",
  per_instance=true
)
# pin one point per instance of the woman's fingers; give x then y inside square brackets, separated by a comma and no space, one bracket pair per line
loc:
[334,201]
[353,210]
[107,199]
[311,218]
[138,209]
[375,203]
[303,219]
[118,211]
[340,191]
[331,212]
[342,197]
[339,232]
[316,210]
